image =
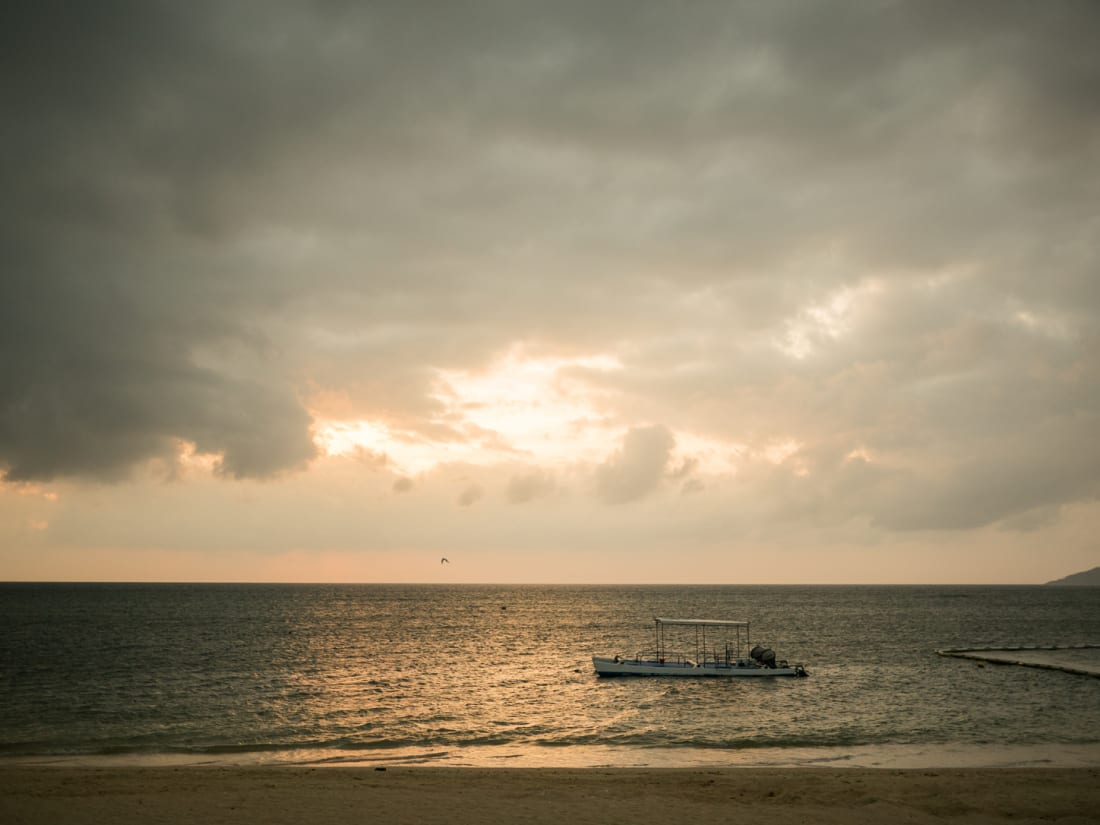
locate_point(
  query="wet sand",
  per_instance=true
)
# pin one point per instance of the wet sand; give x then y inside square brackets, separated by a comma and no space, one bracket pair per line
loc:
[37,795]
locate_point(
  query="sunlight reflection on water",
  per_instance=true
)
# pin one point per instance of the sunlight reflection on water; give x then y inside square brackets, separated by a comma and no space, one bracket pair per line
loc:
[450,674]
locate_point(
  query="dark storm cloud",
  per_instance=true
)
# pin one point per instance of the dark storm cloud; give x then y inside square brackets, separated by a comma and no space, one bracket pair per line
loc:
[117,325]
[210,209]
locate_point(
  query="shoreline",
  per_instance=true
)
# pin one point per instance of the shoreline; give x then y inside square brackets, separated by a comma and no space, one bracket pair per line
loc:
[497,757]
[35,795]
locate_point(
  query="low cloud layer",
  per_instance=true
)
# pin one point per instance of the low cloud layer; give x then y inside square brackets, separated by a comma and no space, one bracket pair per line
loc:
[636,469]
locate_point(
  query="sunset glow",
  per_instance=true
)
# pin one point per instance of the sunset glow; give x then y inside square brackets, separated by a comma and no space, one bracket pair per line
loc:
[538,409]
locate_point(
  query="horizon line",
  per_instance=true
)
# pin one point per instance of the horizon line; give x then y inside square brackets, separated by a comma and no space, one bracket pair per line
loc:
[537,583]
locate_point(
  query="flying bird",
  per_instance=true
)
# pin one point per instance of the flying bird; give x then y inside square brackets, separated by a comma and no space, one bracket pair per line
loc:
[444,561]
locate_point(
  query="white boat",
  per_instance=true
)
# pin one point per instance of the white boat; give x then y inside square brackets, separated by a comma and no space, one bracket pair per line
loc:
[720,648]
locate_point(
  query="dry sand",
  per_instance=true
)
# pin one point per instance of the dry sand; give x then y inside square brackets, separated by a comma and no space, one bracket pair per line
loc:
[37,795]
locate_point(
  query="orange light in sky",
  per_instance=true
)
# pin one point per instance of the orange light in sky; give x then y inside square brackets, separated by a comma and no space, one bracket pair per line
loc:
[536,409]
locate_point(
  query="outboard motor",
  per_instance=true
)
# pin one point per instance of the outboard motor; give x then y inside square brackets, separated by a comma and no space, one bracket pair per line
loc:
[764,656]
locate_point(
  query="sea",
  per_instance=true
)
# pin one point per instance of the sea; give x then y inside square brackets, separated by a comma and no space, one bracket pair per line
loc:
[501,675]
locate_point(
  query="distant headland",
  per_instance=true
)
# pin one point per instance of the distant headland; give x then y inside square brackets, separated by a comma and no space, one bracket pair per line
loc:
[1089,578]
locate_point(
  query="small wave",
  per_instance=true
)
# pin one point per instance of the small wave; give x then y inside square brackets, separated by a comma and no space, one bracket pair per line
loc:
[664,742]
[1079,660]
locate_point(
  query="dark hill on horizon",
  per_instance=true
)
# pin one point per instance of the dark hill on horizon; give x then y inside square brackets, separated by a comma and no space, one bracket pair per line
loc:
[1089,578]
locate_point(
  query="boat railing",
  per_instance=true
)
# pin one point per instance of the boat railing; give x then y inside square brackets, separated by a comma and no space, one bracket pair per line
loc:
[675,657]
[662,657]
[723,657]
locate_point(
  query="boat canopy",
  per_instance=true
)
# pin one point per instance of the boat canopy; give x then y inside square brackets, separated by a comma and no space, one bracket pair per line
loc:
[703,622]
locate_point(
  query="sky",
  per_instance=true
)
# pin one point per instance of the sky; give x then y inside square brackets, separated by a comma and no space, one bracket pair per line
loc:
[608,292]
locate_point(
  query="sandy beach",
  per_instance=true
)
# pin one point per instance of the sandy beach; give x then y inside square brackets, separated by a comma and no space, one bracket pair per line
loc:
[37,795]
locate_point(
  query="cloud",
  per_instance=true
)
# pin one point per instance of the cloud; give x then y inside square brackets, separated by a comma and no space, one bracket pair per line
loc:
[470,495]
[93,384]
[123,332]
[530,486]
[635,470]
[847,228]
[691,486]
[1014,486]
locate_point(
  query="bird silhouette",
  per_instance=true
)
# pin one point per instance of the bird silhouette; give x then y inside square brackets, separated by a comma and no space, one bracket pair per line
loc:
[444,561]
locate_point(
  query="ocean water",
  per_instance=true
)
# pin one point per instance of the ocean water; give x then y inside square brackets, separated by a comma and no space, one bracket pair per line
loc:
[486,675]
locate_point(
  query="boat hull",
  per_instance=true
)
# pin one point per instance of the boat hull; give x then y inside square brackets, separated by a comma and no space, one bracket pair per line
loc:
[634,667]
